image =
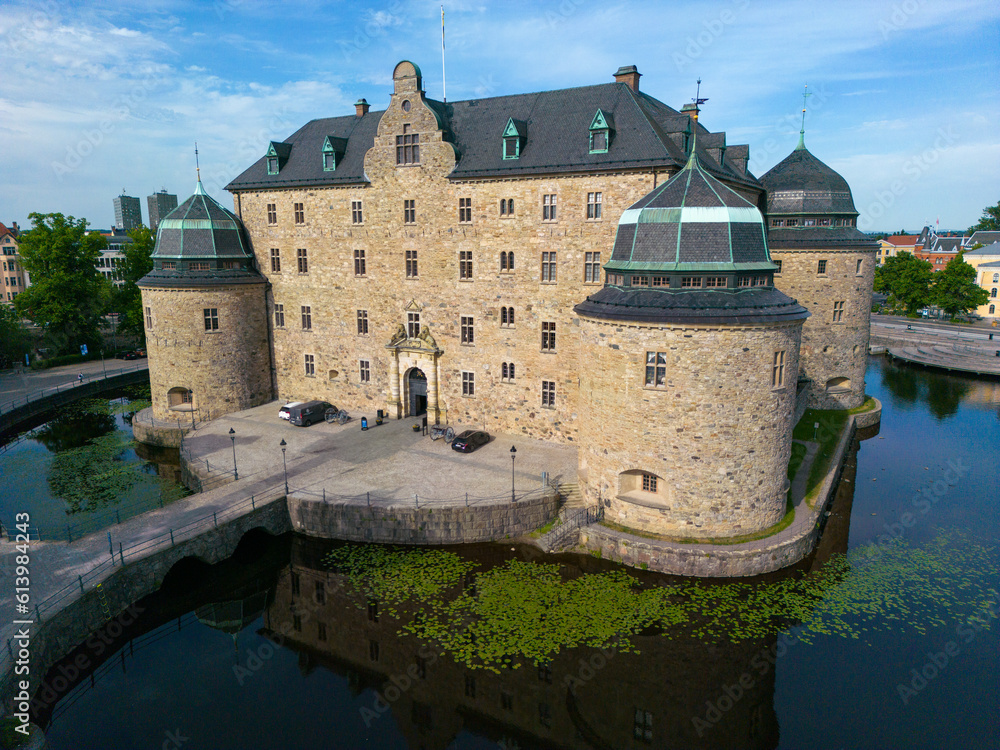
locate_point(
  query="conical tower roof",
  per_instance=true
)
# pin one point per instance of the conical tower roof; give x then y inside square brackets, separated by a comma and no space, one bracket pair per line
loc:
[802,184]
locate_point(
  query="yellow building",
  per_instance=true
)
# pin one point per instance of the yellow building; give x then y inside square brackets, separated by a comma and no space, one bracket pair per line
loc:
[986,261]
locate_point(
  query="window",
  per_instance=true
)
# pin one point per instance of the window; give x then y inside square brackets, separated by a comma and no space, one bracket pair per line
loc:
[373,650]
[275,260]
[272,165]
[821,267]
[507,372]
[777,222]
[470,686]
[409,212]
[507,316]
[643,725]
[357,215]
[838,312]
[412,324]
[320,631]
[359,263]
[548,208]
[408,147]
[992,309]
[211,319]
[194,266]
[272,213]
[468,330]
[548,336]
[656,369]
[362,322]
[373,612]
[594,205]
[778,264]
[169,265]
[506,207]
[791,222]
[592,268]
[649,483]
[809,222]
[297,623]
[300,213]
[465,265]
[307,320]
[760,280]
[421,668]
[303,258]
[548,393]
[640,281]
[996,277]
[320,593]
[465,210]
[860,265]
[329,161]
[296,582]
[149,319]
[365,371]
[778,371]
[507,261]
[310,366]
[599,142]
[615,279]
[548,268]
[744,281]
[468,383]
[691,282]
[279,316]
[662,281]
[506,700]
[993,292]
[715,281]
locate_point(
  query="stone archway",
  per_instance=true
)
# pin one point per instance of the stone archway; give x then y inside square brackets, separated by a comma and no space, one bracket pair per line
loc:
[419,354]
[415,394]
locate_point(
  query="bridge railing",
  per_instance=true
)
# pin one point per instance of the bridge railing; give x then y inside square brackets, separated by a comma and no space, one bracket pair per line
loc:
[21,402]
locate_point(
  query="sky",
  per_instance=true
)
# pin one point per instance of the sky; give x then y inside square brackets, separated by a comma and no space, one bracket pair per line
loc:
[99,97]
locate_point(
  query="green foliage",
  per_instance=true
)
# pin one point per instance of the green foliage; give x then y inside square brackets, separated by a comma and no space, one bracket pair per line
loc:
[955,289]
[521,611]
[14,339]
[127,301]
[989,221]
[67,296]
[66,359]
[93,475]
[906,279]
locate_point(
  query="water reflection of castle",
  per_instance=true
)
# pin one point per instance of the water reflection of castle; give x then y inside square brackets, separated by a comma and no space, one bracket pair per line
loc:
[677,692]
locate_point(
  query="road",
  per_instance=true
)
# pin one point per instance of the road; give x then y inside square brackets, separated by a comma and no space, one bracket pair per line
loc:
[933,331]
[23,383]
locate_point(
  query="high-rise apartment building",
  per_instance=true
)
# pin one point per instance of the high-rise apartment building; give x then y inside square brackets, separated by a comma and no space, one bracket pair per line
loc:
[159,204]
[128,212]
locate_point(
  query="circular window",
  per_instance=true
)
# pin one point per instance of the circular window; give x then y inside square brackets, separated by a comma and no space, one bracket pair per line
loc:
[406,105]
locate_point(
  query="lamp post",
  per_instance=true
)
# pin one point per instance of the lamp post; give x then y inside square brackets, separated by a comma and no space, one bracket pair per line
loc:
[232,436]
[513,455]
[283,444]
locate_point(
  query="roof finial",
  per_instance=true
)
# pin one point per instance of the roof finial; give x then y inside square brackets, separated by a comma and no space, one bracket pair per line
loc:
[802,130]
[698,101]
[197,166]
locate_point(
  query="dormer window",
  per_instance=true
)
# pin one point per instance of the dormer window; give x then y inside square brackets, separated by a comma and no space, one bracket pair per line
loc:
[333,151]
[277,155]
[514,136]
[600,132]
[272,165]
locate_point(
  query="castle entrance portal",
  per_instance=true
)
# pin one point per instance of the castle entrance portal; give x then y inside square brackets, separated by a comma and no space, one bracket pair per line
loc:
[416,386]
[414,376]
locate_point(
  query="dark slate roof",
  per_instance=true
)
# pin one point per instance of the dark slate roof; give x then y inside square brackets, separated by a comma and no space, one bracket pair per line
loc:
[184,279]
[993,249]
[946,245]
[986,238]
[802,184]
[692,222]
[703,307]
[994,264]
[647,133]
[790,238]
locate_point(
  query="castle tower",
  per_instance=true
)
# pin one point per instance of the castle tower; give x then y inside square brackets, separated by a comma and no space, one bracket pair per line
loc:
[205,315]
[688,364]
[829,265]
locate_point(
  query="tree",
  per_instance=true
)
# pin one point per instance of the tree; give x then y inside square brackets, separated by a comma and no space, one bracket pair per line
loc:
[13,337]
[68,295]
[127,301]
[907,281]
[955,289]
[989,221]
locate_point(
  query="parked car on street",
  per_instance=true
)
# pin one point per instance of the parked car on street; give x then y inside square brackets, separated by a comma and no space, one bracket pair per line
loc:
[283,412]
[130,356]
[470,440]
[308,413]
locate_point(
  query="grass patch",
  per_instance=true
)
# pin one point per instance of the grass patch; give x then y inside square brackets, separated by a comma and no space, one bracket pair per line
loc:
[543,530]
[723,541]
[868,405]
[831,426]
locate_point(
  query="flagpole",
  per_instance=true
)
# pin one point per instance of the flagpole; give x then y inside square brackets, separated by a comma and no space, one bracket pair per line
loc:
[444,86]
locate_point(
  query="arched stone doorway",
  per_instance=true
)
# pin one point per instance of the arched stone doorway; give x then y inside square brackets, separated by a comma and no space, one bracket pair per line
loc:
[416,392]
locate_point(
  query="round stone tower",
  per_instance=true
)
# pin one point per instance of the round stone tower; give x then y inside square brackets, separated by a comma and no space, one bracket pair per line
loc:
[689,357]
[827,264]
[205,315]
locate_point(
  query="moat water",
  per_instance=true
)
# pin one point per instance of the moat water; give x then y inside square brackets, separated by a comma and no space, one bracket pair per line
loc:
[874,642]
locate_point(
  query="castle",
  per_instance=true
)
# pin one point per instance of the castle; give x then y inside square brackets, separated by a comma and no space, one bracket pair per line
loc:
[587,265]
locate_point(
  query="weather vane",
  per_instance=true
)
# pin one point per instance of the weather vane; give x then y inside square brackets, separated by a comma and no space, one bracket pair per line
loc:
[802,130]
[698,101]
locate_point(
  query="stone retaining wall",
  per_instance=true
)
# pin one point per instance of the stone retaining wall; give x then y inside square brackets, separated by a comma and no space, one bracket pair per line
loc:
[398,524]
[156,432]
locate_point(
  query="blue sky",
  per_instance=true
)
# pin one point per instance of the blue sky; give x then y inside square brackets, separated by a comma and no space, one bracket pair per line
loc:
[96,96]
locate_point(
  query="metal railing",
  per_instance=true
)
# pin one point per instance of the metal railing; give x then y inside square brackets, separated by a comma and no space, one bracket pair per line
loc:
[419,502]
[21,402]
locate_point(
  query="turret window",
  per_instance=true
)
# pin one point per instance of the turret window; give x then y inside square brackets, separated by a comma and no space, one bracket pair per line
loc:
[778,370]
[656,369]
[211,319]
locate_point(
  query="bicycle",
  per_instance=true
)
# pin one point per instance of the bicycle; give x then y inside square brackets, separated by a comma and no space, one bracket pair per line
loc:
[440,431]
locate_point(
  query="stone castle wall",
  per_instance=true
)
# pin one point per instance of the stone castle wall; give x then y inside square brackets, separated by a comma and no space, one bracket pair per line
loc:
[717,437]
[831,349]
[227,369]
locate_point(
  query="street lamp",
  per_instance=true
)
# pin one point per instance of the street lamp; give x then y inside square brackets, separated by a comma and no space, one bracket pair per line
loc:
[284,463]
[232,436]
[513,455]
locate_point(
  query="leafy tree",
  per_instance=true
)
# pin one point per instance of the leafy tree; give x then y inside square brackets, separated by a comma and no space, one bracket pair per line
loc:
[127,301]
[955,289]
[906,279]
[14,340]
[989,221]
[68,295]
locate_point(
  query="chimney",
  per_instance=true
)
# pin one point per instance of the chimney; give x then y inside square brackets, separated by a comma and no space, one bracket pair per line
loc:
[691,110]
[361,107]
[628,74]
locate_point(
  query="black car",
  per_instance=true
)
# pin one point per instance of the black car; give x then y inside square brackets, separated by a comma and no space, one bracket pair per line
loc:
[303,415]
[130,356]
[468,441]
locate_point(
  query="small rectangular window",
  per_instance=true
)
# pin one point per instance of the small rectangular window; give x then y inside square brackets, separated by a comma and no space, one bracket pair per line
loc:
[300,213]
[169,265]
[506,261]
[592,268]
[507,372]
[275,260]
[465,265]
[506,207]
[506,317]
[359,263]
[594,205]
[778,264]
[357,215]
[821,267]
[272,165]
[744,281]
[373,611]
[692,282]
[149,319]
[838,312]
[661,281]
[373,650]
[412,325]
[858,267]
[365,371]
[310,365]
[548,268]
[468,383]
[778,371]
[196,265]
[548,336]
[791,222]
[272,213]
[408,147]
[649,483]
[411,264]
[320,631]
[409,212]
[548,207]
[715,281]
[329,161]
[643,725]
[656,369]
[279,316]
[211,319]
[548,393]
[362,322]
[640,281]
[777,222]
[468,330]
[470,686]
[465,210]
[303,258]
[307,320]
[599,142]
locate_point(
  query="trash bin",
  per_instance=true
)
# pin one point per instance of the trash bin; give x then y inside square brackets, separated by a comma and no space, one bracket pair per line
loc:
[364,423]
